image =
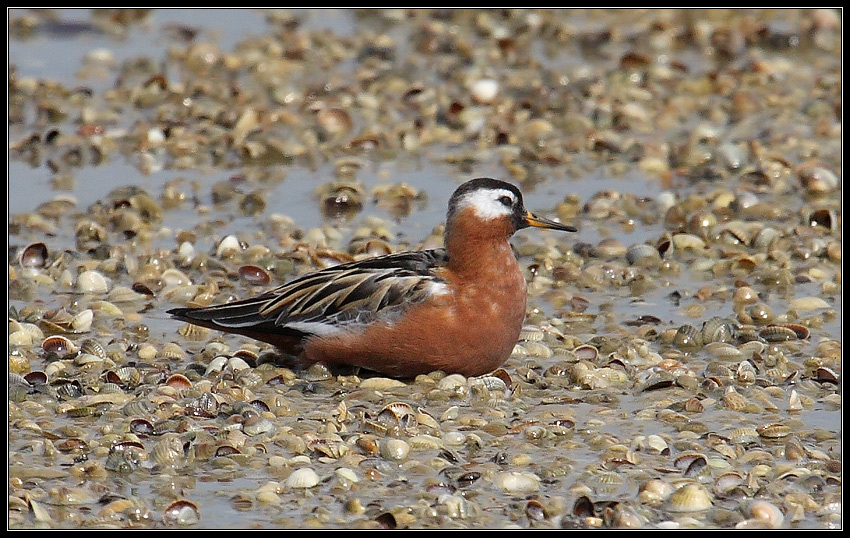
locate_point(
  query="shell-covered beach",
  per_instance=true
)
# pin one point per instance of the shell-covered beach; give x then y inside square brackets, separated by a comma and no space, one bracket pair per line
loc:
[680,363]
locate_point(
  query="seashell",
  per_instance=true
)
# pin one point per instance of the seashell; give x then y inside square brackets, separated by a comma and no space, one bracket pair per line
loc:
[717,329]
[722,350]
[826,375]
[454,383]
[824,218]
[665,246]
[762,515]
[794,450]
[129,375]
[517,482]
[255,275]
[59,345]
[123,294]
[302,479]
[586,352]
[701,223]
[484,91]
[257,425]
[334,121]
[817,179]
[426,442]
[168,451]
[688,337]
[397,410]
[777,333]
[684,241]
[186,253]
[744,295]
[731,156]
[92,282]
[138,407]
[734,233]
[424,418]
[643,255]
[381,383]
[734,401]
[607,482]
[530,333]
[692,497]
[808,304]
[765,238]
[86,360]
[28,380]
[743,436]
[745,373]
[801,331]
[489,384]
[394,449]
[693,405]
[181,513]
[178,381]
[82,322]
[123,461]
[752,347]
[173,351]
[228,246]
[655,490]
[727,481]
[653,444]
[33,255]
[92,347]
[609,248]
[64,390]
[760,314]
[773,431]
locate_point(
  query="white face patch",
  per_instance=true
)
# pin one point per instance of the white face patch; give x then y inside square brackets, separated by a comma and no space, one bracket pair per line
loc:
[486,203]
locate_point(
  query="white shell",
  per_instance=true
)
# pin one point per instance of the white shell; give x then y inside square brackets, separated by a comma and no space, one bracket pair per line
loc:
[484,90]
[92,282]
[516,482]
[302,478]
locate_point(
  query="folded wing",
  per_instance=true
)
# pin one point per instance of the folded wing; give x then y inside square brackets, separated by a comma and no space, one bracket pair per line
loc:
[343,297]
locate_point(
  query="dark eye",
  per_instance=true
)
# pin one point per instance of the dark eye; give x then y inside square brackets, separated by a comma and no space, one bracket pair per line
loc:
[506,200]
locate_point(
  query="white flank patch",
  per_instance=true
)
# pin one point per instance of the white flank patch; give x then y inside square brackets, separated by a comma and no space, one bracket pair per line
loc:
[315,327]
[486,204]
[437,288]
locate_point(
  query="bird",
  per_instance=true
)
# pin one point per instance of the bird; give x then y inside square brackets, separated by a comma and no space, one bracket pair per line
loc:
[458,309]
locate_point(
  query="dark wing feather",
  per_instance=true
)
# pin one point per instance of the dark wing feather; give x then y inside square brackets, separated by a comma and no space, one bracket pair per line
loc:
[335,297]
